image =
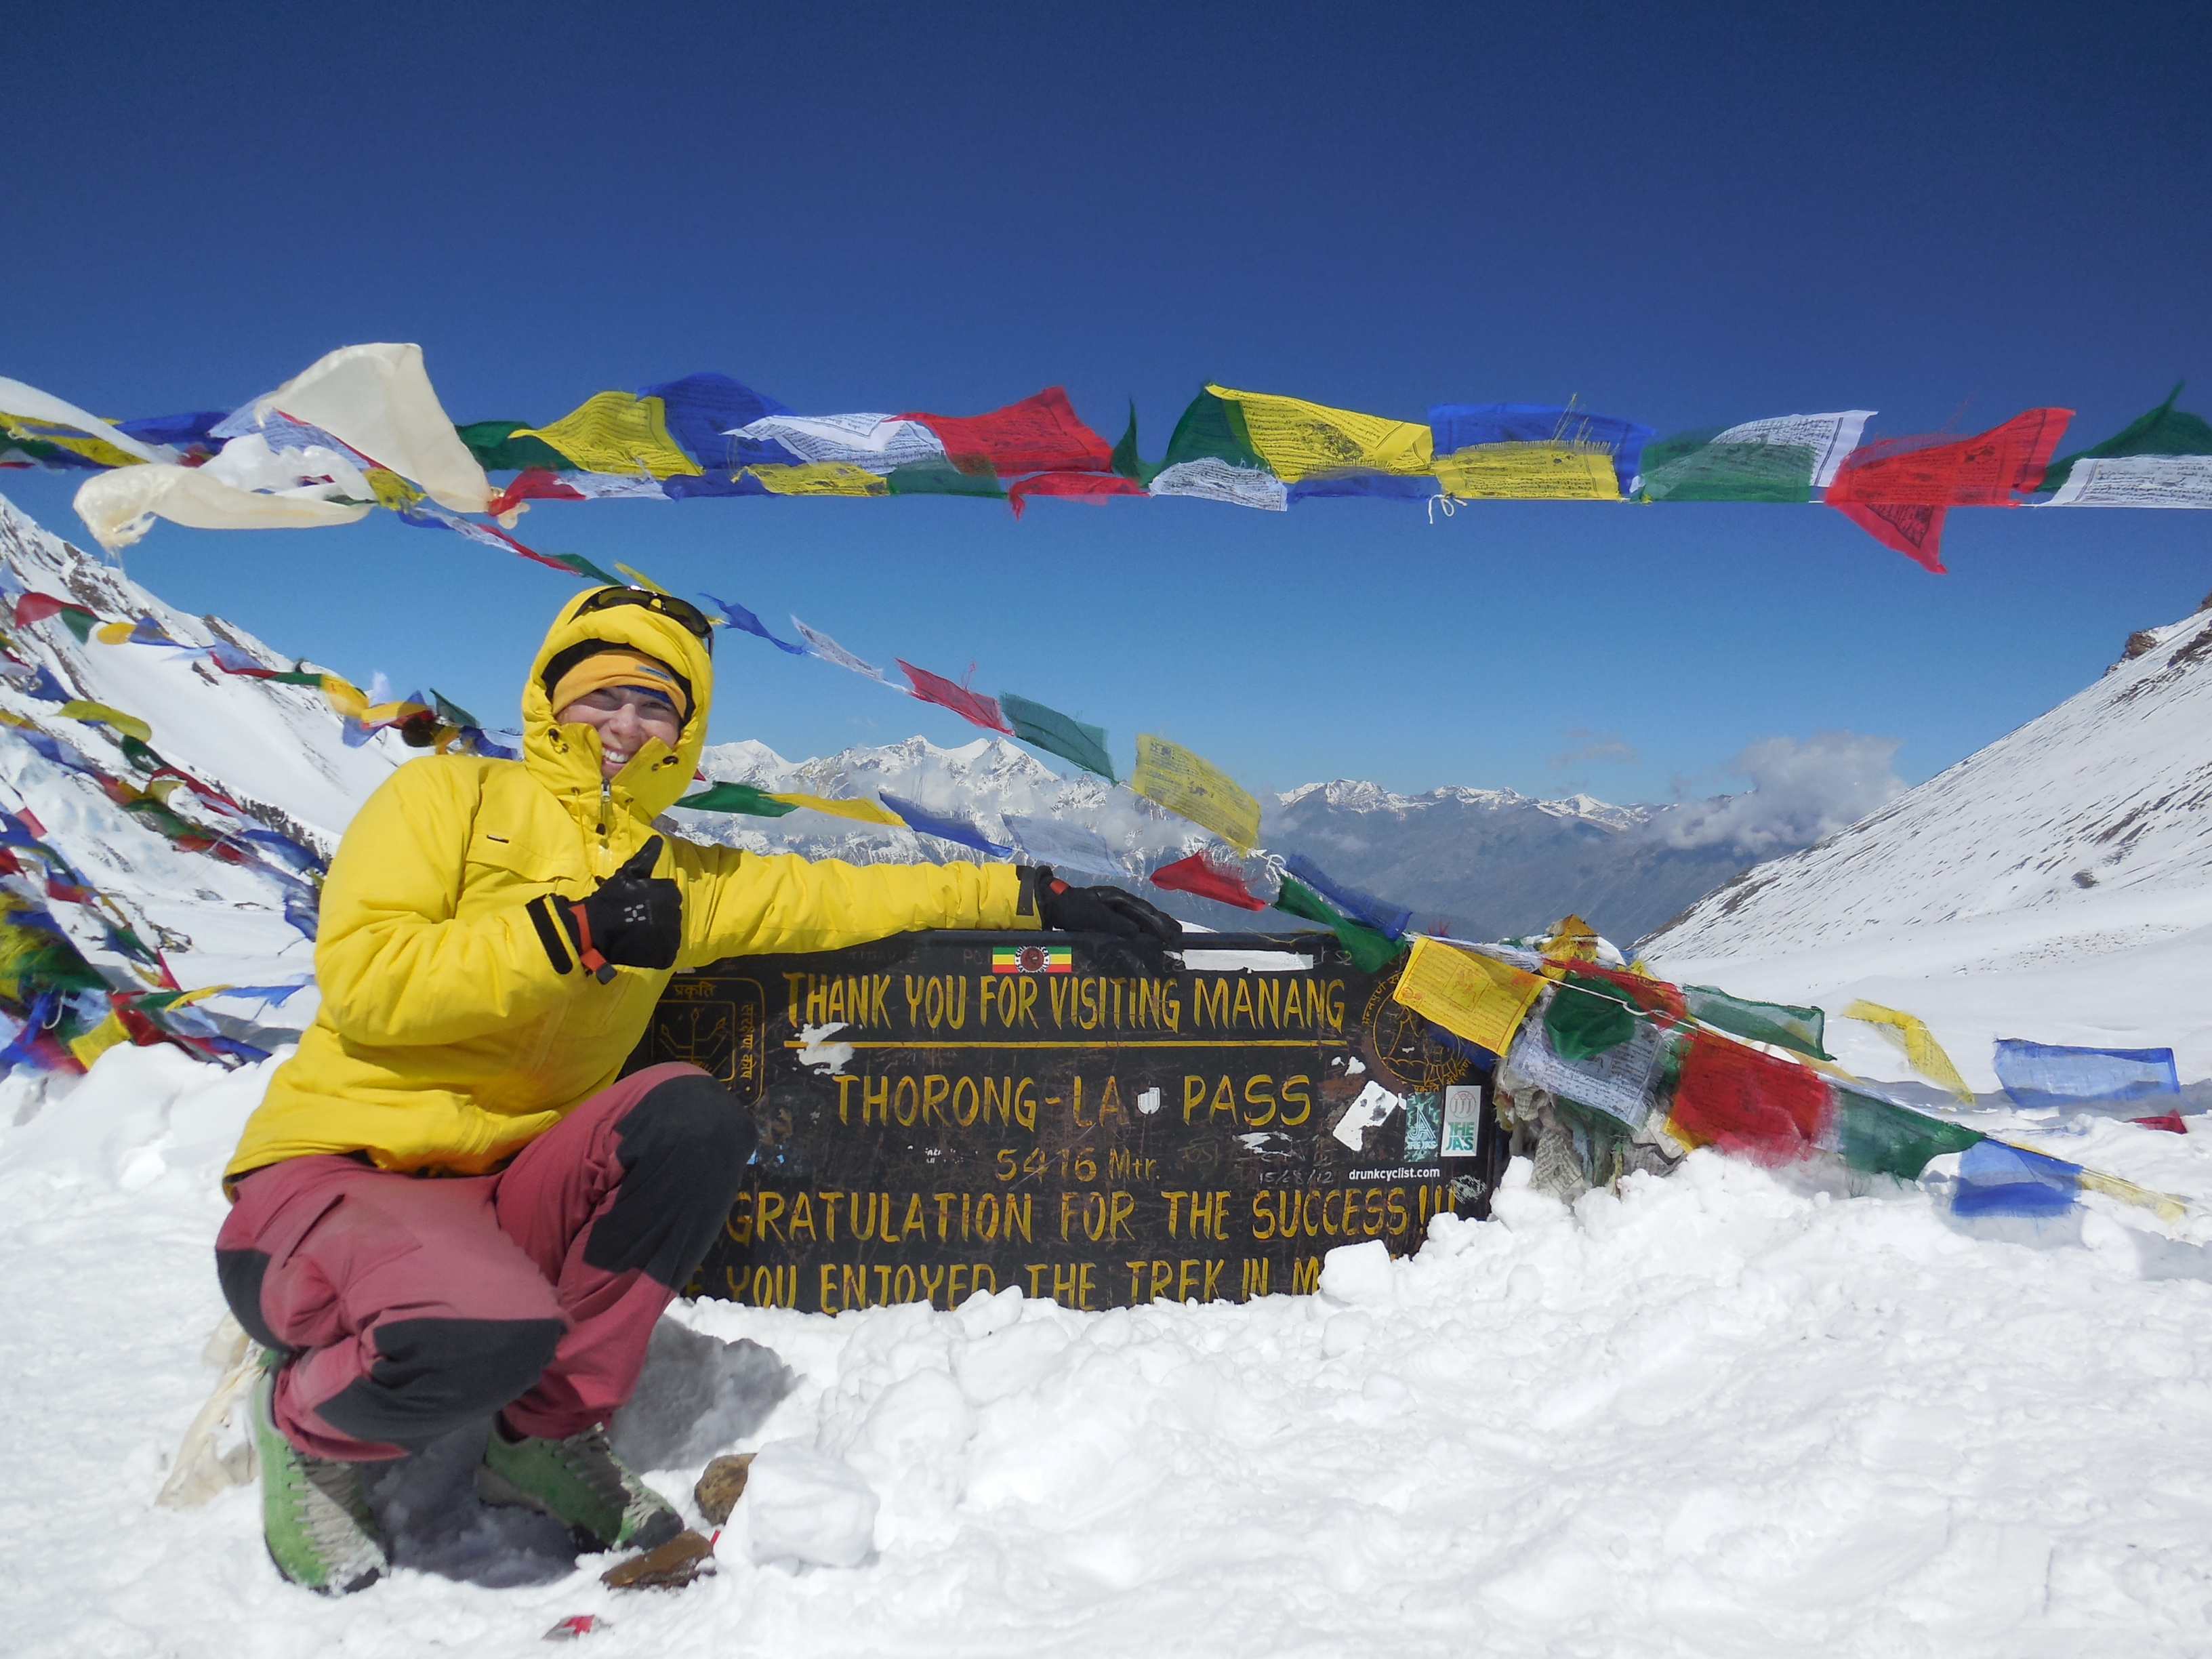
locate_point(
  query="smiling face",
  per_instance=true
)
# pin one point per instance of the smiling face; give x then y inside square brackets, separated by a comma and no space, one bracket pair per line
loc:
[624,716]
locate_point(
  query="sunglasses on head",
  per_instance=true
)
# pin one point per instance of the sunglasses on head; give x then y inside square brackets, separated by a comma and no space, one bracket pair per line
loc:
[680,611]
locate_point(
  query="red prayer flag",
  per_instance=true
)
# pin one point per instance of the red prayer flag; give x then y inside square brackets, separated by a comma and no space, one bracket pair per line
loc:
[1747,1103]
[1896,490]
[2169,1121]
[534,484]
[1194,875]
[971,706]
[37,607]
[1085,485]
[1041,433]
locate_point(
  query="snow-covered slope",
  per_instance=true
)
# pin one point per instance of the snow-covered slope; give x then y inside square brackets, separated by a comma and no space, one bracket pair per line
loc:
[2057,884]
[277,752]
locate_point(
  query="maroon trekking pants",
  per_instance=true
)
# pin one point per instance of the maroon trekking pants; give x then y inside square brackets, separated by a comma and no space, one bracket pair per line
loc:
[411,1306]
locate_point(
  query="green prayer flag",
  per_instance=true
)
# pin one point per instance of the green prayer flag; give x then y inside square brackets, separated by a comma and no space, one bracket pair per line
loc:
[1586,1017]
[2164,431]
[1369,950]
[1213,426]
[293,676]
[1125,461]
[584,568]
[140,756]
[496,451]
[451,713]
[737,798]
[1690,467]
[1058,735]
[78,620]
[1780,1023]
[941,478]
[1884,1139]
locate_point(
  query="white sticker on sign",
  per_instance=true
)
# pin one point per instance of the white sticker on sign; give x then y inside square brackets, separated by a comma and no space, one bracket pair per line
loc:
[1368,1107]
[1462,1120]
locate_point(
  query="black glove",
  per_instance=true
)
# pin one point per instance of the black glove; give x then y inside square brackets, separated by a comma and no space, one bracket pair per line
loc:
[636,919]
[1099,910]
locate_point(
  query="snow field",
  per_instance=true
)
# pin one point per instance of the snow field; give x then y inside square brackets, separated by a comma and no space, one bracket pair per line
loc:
[1735,1412]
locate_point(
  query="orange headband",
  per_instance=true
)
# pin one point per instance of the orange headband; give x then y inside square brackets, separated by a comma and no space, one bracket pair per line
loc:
[615,666]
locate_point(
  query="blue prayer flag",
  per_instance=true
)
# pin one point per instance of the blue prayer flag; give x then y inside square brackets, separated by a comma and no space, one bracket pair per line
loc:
[1995,1179]
[741,618]
[1389,920]
[702,408]
[961,831]
[2048,1074]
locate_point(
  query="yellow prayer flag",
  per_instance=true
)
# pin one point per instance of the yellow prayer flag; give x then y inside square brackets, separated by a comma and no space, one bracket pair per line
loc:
[108,1033]
[1561,472]
[1919,1044]
[393,492]
[819,478]
[1469,994]
[96,450]
[1196,789]
[2165,1206]
[866,811]
[614,432]
[346,699]
[1572,940]
[639,577]
[1298,439]
[78,710]
[115,632]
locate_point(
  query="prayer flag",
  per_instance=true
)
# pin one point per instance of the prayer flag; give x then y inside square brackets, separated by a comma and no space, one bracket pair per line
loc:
[28,403]
[962,832]
[1470,995]
[1065,845]
[1587,1016]
[1778,1022]
[737,798]
[1747,1103]
[1041,433]
[859,809]
[131,725]
[1997,1179]
[1370,952]
[702,410]
[1197,874]
[1783,457]
[1210,456]
[497,449]
[971,706]
[1074,486]
[1897,490]
[1389,920]
[614,432]
[119,507]
[829,650]
[2038,1074]
[941,478]
[1921,1048]
[1457,427]
[34,607]
[871,443]
[1296,437]
[739,616]
[378,401]
[1196,789]
[2165,481]
[1058,735]
[1614,1079]
[2166,432]
[1883,1138]
[1530,472]
[818,478]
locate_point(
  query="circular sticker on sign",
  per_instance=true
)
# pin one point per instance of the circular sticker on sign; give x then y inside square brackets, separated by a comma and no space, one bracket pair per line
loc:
[1032,959]
[1402,1043]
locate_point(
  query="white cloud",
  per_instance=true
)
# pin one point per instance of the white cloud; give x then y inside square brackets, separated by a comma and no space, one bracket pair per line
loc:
[1800,791]
[1589,746]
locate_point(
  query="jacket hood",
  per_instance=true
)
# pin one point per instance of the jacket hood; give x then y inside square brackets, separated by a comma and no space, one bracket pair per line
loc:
[566,758]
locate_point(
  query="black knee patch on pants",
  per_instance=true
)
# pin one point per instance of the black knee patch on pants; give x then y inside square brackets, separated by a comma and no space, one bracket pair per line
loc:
[682,1149]
[241,1272]
[433,1375]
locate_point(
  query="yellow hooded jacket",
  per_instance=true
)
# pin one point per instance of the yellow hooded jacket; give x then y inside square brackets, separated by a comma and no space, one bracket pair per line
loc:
[448,1038]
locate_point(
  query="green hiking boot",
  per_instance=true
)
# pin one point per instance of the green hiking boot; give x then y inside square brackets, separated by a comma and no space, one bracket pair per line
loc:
[581,1483]
[314,1515]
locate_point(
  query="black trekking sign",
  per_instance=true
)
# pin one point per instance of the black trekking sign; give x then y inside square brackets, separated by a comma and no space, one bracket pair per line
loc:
[1084,1117]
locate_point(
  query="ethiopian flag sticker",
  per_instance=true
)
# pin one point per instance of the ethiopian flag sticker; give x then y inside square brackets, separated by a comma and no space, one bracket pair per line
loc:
[1033,959]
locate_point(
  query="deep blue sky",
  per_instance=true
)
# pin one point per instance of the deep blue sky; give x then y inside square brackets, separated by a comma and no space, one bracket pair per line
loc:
[1686,215]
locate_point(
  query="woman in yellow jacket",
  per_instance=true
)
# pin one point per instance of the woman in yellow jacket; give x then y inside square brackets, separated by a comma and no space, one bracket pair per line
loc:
[447,1206]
